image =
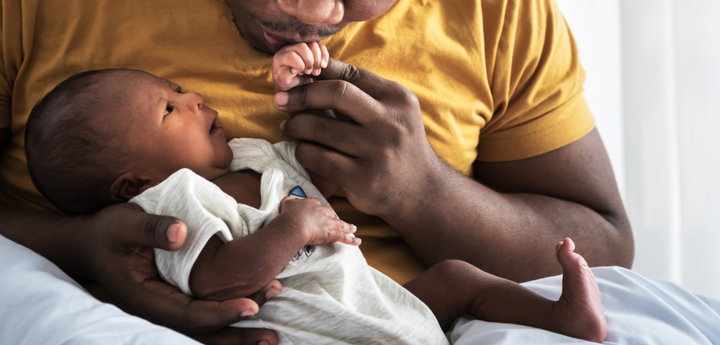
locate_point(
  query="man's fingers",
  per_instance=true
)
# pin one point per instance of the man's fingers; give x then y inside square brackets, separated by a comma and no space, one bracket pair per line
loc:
[346,137]
[166,305]
[372,84]
[239,336]
[130,226]
[325,162]
[168,233]
[330,94]
[267,292]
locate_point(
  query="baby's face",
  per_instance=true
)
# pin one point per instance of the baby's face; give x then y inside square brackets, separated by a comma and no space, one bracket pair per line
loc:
[170,130]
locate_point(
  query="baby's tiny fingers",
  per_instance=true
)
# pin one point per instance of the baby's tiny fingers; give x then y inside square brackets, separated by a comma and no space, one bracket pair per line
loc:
[325,56]
[351,240]
[286,79]
[288,58]
[305,53]
[317,54]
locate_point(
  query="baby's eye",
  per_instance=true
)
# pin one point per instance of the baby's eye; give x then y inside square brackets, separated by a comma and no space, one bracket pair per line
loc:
[179,89]
[168,109]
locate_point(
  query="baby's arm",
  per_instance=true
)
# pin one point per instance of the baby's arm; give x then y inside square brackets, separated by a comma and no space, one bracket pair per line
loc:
[244,265]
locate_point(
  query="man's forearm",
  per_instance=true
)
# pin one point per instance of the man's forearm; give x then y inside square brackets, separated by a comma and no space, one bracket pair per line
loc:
[53,235]
[511,235]
[510,229]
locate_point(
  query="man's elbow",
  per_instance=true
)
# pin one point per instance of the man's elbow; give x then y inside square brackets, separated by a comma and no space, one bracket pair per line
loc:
[622,252]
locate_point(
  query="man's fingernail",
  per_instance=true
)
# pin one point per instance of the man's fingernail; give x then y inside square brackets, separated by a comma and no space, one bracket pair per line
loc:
[293,71]
[282,125]
[172,232]
[264,342]
[270,293]
[247,313]
[281,98]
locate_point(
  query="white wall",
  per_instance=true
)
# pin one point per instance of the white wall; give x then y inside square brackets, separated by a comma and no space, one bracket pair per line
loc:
[654,87]
[595,24]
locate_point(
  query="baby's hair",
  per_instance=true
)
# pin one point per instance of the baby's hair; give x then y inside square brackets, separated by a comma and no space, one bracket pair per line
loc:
[68,139]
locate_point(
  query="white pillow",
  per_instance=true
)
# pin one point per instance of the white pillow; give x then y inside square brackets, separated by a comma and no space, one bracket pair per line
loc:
[40,304]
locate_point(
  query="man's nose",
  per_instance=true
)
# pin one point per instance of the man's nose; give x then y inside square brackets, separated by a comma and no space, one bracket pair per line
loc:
[314,11]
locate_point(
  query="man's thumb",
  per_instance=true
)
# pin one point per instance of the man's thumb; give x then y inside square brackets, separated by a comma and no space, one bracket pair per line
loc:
[165,232]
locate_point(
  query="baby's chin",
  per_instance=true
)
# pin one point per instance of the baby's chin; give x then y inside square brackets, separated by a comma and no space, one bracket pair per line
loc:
[216,173]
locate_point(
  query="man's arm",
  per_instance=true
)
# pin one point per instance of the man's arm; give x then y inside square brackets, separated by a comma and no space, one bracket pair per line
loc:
[385,164]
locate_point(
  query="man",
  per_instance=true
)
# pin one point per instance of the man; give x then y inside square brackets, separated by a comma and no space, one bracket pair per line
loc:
[481,148]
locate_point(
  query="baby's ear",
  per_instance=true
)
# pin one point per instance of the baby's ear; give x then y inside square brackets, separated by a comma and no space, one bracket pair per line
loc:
[129,185]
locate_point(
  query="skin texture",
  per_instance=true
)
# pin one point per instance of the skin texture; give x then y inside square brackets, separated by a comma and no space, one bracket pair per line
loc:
[578,313]
[532,211]
[294,21]
[167,130]
[122,262]
[216,274]
[383,161]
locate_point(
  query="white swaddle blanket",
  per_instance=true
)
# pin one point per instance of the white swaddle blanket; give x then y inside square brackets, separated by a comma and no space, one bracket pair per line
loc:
[330,295]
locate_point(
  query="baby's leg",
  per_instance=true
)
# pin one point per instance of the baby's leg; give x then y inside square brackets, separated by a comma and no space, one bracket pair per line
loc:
[453,288]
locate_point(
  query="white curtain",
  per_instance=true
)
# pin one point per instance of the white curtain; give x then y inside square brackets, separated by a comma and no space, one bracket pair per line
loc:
[654,86]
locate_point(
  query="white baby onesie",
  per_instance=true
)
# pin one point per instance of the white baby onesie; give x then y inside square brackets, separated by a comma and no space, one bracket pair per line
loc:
[330,295]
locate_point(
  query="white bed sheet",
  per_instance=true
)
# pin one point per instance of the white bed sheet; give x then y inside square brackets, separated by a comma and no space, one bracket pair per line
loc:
[39,304]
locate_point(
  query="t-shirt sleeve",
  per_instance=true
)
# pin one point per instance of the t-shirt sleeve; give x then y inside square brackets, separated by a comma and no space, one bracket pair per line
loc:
[536,81]
[10,55]
[205,209]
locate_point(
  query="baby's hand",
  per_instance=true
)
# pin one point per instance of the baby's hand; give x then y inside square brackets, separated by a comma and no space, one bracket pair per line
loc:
[295,64]
[320,223]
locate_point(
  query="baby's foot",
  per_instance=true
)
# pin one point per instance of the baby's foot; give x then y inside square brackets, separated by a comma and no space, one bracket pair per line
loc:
[578,312]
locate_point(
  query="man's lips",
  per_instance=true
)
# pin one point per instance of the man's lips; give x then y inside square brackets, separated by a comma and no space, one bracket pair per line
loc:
[279,41]
[275,42]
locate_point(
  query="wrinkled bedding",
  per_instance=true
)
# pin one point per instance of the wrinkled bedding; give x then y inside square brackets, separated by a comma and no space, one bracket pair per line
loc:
[39,304]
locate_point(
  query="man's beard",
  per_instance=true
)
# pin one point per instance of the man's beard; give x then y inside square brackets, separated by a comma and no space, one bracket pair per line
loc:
[294,25]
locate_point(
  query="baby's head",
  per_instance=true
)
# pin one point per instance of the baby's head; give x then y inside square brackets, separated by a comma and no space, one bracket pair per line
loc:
[102,137]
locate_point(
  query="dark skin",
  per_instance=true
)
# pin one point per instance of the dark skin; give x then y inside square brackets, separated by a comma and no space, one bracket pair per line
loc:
[605,237]
[122,262]
[216,274]
[225,270]
[509,208]
[386,166]
[120,259]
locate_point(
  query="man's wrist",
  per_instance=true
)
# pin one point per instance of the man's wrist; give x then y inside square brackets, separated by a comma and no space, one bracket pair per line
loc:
[418,192]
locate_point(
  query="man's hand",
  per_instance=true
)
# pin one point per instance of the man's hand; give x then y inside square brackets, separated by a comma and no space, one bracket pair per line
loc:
[122,261]
[296,64]
[378,152]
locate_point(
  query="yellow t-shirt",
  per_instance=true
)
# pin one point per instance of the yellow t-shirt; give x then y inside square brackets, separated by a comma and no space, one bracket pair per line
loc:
[497,80]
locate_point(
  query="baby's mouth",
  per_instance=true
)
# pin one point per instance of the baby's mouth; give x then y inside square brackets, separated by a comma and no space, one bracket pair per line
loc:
[214,127]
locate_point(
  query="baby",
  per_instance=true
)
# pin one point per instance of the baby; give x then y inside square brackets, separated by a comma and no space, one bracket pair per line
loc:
[255,214]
